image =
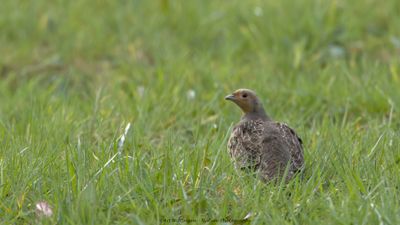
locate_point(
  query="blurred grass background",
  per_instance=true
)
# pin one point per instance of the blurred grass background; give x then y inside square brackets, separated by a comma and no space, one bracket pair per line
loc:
[74,73]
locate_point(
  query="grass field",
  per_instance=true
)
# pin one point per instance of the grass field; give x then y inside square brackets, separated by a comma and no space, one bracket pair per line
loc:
[73,74]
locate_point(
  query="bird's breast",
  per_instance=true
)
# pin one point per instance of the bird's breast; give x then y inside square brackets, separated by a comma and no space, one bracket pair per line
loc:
[245,142]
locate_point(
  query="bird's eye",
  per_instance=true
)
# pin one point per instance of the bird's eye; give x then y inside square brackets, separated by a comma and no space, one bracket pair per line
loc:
[244,95]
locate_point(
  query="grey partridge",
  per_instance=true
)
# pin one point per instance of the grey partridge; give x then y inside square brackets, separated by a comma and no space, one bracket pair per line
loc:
[270,148]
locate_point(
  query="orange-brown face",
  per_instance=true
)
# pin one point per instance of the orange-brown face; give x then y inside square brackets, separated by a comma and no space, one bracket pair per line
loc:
[244,98]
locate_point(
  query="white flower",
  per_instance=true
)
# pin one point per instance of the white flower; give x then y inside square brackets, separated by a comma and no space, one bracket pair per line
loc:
[258,11]
[191,94]
[140,91]
[43,209]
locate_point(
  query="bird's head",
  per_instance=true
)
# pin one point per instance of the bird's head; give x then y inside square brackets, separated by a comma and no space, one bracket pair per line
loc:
[247,100]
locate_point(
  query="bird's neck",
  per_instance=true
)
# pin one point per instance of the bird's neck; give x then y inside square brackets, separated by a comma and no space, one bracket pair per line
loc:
[257,114]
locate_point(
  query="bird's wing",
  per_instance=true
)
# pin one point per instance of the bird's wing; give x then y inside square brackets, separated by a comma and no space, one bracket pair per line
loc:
[294,144]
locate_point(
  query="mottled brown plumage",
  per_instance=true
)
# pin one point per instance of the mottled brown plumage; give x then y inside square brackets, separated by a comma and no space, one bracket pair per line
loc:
[261,144]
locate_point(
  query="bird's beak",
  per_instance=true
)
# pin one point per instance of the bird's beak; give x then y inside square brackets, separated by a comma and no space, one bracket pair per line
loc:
[230,97]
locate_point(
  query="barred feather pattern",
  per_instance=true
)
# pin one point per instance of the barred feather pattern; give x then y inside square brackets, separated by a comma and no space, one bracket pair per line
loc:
[245,143]
[267,147]
[295,146]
